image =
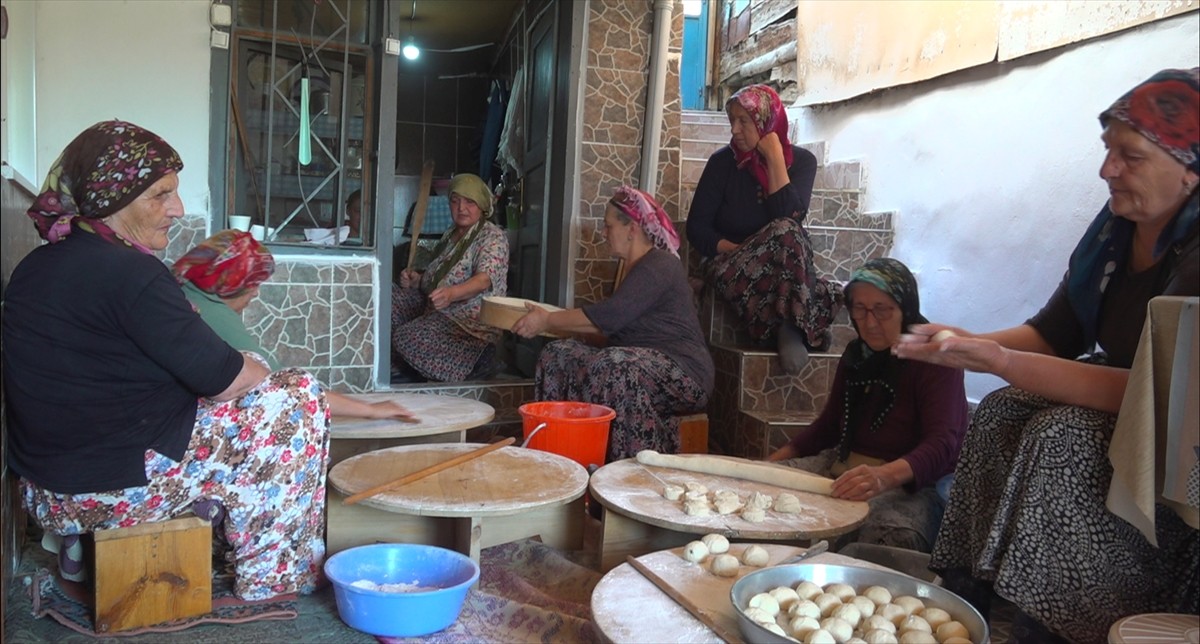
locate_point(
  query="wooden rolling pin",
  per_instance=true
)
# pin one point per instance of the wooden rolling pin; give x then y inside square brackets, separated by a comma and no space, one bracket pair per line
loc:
[432,469]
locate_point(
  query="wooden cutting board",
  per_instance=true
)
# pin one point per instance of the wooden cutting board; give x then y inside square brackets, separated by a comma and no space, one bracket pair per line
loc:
[635,490]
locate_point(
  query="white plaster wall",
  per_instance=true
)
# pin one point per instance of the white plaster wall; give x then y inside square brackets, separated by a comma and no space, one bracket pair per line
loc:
[993,171]
[144,61]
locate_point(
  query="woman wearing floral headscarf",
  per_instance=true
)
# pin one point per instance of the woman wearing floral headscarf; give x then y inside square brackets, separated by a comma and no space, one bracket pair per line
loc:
[747,220]
[1027,516]
[891,429]
[436,330]
[655,364]
[124,406]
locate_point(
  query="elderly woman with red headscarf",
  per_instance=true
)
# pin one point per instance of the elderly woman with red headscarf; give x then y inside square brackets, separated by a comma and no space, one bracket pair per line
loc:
[221,276]
[1026,517]
[124,406]
[746,221]
[655,365]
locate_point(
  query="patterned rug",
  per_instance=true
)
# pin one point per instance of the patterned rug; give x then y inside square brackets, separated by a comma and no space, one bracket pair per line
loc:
[65,604]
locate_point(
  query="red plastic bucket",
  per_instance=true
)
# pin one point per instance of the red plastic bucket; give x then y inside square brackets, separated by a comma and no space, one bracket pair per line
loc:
[576,430]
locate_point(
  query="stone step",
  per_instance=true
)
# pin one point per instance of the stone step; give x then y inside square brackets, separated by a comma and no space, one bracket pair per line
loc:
[767,431]
[704,116]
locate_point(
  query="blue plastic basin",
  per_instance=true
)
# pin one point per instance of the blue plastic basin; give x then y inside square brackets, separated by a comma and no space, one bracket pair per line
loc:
[401,614]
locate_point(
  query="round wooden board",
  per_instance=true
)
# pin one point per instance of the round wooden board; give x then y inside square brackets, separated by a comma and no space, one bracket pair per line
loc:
[628,607]
[435,415]
[507,481]
[632,489]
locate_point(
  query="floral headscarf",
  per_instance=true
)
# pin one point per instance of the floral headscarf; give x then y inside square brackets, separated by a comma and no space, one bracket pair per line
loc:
[227,264]
[766,110]
[871,375]
[1166,110]
[100,172]
[641,208]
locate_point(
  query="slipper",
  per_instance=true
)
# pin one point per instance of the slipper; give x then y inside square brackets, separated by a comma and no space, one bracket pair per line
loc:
[793,353]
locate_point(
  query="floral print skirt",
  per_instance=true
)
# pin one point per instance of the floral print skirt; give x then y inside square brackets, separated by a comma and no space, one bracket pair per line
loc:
[645,387]
[430,341]
[770,280]
[1027,513]
[262,457]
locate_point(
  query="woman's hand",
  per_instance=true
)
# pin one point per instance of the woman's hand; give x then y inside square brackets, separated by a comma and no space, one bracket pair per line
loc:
[960,350]
[860,483]
[409,278]
[726,246]
[535,321]
[441,297]
[388,409]
[770,147]
[343,405]
[782,454]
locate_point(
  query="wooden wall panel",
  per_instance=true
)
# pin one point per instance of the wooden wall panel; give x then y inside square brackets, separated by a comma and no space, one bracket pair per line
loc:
[1030,27]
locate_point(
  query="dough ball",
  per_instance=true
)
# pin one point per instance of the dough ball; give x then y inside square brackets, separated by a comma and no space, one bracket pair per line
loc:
[843,591]
[878,623]
[879,636]
[910,604]
[802,626]
[672,492]
[787,503]
[696,508]
[725,494]
[917,637]
[695,497]
[848,613]
[695,551]
[936,617]
[957,640]
[838,628]
[952,629]
[755,555]
[807,590]
[879,595]
[759,501]
[855,640]
[819,636]
[865,606]
[765,602]
[914,623]
[943,334]
[892,612]
[724,565]
[727,505]
[804,608]
[754,515]
[785,596]
[774,628]
[759,615]
[717,543]
[696,488]
[827,603]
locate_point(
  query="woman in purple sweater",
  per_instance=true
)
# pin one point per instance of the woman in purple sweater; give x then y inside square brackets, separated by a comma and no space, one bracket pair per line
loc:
[891,428]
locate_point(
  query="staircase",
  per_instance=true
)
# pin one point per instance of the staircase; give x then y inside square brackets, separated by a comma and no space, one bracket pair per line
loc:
[756,407]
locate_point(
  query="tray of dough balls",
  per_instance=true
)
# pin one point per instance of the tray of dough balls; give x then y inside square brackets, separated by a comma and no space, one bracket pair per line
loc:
[820,603]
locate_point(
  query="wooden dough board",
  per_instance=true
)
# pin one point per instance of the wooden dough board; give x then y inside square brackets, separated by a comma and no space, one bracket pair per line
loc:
[507,481]
[631,488]
[628,607]
[436,415]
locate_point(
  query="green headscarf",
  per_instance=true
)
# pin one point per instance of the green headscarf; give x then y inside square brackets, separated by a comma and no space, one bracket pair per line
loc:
[473,188]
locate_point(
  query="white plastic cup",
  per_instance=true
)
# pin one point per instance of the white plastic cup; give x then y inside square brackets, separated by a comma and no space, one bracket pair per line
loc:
[258,232]
[239,222]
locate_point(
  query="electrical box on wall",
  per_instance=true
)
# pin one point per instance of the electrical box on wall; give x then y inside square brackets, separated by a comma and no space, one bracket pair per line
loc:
[220,39]
[222,15]
[392,46]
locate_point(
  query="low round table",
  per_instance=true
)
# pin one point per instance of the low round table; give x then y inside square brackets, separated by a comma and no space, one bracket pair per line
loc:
[627,607]
[505,495]
[1155,628]
[638,519]
[436,417]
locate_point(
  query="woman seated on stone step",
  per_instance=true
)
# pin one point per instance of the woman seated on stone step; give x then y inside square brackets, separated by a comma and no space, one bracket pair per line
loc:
[891,428]
[1027,515]
[124,406]
[655,364]
[220,277]
[746,221]
[436,331]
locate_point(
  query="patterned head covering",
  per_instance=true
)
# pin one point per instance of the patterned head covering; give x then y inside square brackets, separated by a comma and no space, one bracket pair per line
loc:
[1166,110]
[641,208]
[871,375]
[227,264]
[766,110]
[473,188]
[100,172]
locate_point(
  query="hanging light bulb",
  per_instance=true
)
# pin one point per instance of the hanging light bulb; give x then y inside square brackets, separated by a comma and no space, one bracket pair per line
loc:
[410,50]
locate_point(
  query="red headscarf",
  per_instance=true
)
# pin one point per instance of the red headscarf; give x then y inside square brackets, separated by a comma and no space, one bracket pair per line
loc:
[227,264]
[642,208]
[766,110]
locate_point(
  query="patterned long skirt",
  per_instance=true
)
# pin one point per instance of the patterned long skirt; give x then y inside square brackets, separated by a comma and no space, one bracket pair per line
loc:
[429,341]
[1027,512]
[897,518]
[262,457]
[645,387]
[770,280]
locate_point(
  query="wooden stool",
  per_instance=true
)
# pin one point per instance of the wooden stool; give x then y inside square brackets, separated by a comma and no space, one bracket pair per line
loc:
[693,434]
[152,573]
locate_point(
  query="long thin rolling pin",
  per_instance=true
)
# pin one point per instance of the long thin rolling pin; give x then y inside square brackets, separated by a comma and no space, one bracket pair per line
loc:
[432,469]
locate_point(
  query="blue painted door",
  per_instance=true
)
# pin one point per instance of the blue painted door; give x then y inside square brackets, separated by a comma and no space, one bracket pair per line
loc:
[692,69]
